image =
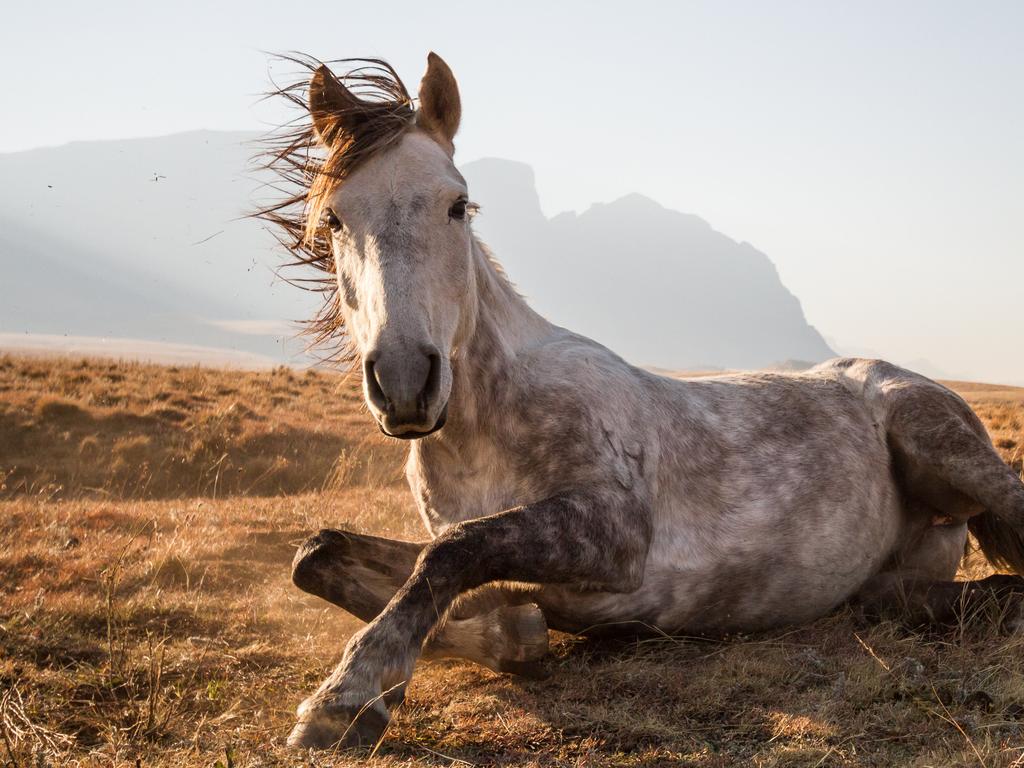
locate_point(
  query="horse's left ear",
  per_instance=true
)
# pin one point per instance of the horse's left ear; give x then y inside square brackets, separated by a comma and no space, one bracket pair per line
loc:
[329,104]
[440,106]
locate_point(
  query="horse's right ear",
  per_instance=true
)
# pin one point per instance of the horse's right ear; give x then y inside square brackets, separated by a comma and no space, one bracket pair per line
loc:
[440,106]
[329,102]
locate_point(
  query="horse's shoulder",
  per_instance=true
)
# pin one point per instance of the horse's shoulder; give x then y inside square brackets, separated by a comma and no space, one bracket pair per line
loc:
[580,408]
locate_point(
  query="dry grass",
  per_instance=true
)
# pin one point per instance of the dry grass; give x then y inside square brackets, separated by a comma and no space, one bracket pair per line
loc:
[126,430]
[146,617]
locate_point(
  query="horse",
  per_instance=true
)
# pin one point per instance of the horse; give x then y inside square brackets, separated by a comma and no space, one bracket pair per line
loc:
[562,487]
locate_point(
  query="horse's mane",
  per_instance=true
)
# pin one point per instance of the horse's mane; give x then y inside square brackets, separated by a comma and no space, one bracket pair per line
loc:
[305,175]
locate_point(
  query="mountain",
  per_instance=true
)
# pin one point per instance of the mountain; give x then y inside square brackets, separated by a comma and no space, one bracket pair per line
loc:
[147,239]
[658,286]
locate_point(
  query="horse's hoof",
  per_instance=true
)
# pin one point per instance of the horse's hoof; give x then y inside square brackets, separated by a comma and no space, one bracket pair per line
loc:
[527,631]
[530,670]
[1014,623]
[316,560]
[339,726]
[314,734]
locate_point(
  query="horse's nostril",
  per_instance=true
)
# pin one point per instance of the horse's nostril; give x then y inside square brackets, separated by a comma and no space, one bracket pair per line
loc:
[373,388]
[433,383]
[402,384]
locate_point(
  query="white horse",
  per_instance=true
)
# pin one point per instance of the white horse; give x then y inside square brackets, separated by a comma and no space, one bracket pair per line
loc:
[610,498]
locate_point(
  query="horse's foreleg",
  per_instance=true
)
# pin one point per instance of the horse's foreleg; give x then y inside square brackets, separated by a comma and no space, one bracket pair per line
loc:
[592,542]
[354,571]
[499,628]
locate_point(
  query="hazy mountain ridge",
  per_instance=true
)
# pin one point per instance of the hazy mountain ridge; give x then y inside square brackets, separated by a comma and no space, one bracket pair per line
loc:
[659,286]
[147,238]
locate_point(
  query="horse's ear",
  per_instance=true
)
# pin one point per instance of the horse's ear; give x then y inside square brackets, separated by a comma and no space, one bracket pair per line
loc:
[440,106]
[329,101]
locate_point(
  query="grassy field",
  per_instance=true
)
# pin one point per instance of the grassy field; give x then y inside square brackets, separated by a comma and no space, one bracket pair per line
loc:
[148,516]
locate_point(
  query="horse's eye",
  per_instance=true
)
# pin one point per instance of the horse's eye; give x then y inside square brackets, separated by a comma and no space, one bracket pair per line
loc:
[332,220]
[458,210]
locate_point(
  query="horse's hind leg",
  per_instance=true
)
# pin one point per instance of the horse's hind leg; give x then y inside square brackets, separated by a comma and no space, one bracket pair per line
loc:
[919,586]
[922,602]
[498,628]
[945,461]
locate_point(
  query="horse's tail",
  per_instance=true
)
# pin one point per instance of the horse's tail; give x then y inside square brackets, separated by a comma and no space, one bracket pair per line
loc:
[1001,540]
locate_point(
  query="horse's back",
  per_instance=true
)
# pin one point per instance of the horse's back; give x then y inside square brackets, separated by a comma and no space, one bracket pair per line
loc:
[846,429]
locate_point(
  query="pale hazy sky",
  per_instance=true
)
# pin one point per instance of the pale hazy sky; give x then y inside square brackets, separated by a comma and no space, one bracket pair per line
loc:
[873,150]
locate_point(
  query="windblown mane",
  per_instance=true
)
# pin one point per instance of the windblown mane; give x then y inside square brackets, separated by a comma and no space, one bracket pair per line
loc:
[306,175]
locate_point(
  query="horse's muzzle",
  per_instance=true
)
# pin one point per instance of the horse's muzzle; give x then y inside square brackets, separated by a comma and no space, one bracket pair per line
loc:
[403,390]
[415,434]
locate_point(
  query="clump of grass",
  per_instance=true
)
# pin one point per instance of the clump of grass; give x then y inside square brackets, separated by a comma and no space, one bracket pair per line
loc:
[26,741]
[55,408]
[89,446]
[133,447]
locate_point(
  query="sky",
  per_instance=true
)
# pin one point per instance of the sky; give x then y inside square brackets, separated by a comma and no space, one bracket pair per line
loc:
[872,150]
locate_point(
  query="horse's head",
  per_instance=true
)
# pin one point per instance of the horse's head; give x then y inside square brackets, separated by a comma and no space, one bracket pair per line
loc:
[398,214]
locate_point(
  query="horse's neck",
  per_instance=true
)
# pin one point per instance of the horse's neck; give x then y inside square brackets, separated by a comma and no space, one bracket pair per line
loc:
[503,326]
